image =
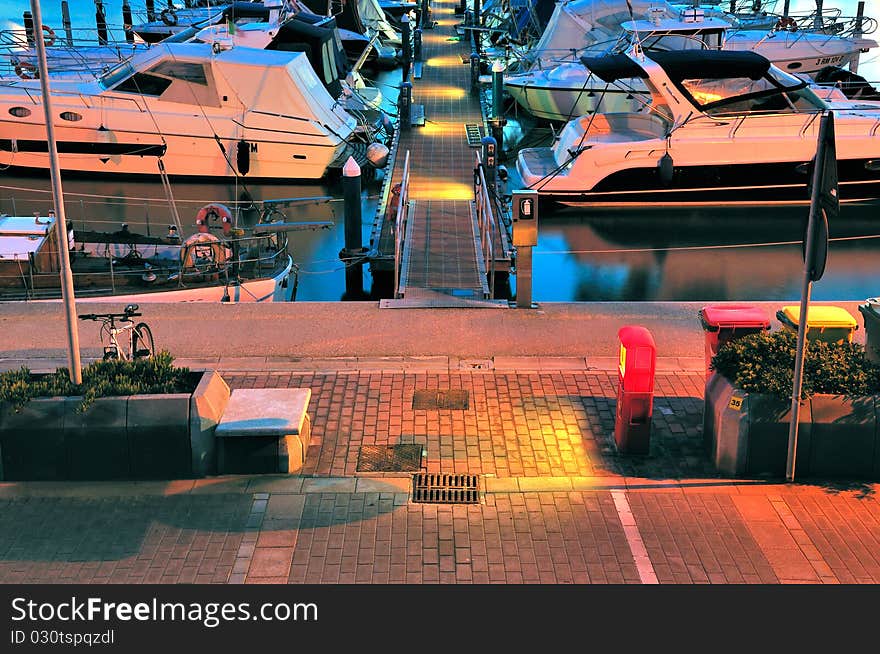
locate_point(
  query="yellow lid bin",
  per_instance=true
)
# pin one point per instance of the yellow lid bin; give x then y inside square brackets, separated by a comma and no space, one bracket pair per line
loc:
[829,324]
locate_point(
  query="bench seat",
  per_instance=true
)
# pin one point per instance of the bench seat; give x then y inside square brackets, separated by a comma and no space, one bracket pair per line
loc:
[264,430]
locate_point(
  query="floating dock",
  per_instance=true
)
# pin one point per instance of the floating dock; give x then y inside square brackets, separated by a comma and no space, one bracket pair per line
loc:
[443,239]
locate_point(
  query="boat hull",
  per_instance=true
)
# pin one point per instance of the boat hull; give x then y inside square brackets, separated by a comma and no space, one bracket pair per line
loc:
[741,184]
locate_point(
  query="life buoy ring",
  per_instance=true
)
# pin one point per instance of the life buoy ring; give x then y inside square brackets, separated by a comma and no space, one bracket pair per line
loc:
[26,70]
[203,252]
[49,36]
[785,23]
[168,17]
[216,211]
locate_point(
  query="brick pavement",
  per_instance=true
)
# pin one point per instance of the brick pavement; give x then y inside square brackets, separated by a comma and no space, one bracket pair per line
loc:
[551,512]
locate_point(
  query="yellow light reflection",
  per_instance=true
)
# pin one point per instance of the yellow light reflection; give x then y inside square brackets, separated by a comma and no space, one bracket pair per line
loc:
[436,38]
[438,189]
[447,21]
[436,91]
[440,128]
[445,60]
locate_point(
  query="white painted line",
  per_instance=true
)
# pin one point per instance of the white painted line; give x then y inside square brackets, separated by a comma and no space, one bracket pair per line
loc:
[636,545]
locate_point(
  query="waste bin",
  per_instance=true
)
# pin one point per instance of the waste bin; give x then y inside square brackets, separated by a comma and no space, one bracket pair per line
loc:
[728,322]
[828,324]
[870,311]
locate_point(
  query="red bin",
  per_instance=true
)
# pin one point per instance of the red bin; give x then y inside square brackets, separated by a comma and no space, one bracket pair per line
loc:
[635,390]
[728,322]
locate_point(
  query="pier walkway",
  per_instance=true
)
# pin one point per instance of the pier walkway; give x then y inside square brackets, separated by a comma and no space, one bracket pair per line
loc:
[441,261]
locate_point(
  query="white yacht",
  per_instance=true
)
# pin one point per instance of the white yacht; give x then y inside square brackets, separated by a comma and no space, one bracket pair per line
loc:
[193,109]
[722,128]
[558,90]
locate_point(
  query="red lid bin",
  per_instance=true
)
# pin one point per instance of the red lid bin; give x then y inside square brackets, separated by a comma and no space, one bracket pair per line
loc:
[728,322]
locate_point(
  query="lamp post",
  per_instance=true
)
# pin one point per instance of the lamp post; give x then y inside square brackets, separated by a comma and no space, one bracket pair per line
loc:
[58,198]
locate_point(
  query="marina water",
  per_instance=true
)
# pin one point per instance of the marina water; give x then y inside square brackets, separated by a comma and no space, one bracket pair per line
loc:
[688,254]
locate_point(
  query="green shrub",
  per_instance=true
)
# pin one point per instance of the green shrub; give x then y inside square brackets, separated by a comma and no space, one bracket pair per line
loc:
[100,379]
[764,363]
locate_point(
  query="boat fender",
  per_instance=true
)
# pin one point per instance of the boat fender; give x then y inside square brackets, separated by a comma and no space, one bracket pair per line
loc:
[243,157]
[168,17]
[665,168]
[202,251]
[26,70]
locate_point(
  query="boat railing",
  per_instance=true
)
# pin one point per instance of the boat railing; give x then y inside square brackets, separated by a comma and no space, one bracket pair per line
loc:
[487,211]
[400,223]
[144,262]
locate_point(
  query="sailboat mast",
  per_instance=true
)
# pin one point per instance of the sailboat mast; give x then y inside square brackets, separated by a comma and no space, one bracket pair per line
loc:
[67,295]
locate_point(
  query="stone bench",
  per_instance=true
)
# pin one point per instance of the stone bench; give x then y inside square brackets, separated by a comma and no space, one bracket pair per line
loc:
[264,431]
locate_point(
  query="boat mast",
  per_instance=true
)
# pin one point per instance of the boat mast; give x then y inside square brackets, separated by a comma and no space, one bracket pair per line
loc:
[58,198]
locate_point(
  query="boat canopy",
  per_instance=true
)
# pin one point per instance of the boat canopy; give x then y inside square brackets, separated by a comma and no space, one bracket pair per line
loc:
[683,64]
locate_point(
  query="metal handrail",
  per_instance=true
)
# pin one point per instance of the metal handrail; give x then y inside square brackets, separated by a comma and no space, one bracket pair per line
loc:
[174,265]
[400,223]
[486,221]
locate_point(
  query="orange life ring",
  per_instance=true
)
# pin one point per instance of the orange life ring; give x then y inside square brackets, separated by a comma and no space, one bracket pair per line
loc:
[785,23]
[220,212]
[203,251]
[49,36]
[26,70]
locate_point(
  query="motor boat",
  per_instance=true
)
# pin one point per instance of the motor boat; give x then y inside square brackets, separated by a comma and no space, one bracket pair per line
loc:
[560,92]
[235,266]
[722,128]
[172,20]
[186,110]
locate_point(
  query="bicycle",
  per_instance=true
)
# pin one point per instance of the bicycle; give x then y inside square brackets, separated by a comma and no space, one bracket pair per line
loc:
[139,343]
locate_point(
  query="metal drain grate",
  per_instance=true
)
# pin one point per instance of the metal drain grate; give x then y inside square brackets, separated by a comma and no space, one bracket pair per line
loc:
[456,399]
[446,489]
[390,458]
[474,134]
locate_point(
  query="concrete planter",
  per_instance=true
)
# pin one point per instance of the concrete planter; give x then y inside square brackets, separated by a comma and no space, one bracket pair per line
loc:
[747,433]
[136,437]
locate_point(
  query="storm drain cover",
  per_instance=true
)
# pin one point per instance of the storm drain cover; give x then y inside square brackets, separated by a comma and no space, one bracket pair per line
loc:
[437,488]
[443,399]
[390,458]
[474,134]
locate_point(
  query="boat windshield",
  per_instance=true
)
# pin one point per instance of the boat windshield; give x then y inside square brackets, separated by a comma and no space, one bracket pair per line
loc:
[774,92]
[116,74]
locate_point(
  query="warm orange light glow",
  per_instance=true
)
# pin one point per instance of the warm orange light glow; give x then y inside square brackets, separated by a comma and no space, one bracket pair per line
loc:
[705,97]
[438,189]
[436,91]
[447,21]
[440,128]
[445,60]
[435,38]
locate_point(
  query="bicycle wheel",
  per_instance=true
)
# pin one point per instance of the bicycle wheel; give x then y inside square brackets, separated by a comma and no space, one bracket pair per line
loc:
[142,342]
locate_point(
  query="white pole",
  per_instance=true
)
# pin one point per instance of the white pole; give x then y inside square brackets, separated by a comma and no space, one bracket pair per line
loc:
[58,198]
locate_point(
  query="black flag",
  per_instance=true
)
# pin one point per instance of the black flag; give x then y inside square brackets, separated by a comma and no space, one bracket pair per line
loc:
[824,201]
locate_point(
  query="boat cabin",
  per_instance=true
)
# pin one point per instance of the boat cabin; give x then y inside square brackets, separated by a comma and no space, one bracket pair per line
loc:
[714,83]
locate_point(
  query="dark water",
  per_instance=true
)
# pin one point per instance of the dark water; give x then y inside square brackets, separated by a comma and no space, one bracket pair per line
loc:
[594,255]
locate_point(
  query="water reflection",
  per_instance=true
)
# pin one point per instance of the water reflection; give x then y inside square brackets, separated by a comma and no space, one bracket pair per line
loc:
[143,205]
[700,254]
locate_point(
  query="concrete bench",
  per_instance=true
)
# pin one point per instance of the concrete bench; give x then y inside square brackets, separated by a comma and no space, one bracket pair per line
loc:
[264,431]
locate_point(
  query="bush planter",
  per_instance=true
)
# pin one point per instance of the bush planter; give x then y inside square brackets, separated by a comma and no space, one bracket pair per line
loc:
[746,433]
[167,436]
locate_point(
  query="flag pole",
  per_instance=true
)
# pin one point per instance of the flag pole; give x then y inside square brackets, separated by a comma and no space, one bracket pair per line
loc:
[810,274]
[67,294]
